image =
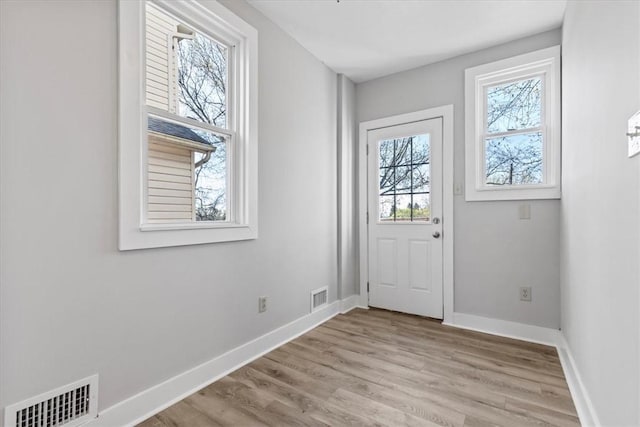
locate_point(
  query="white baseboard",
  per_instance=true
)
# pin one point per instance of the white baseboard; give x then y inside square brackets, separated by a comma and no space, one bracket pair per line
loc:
[151,401]
[584,406]
[349,303]
[540,335]
[505,328]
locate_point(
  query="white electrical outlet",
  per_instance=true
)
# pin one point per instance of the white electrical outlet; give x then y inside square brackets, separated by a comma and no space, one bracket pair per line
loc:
[525,293]
[524,211]
[262,304]
[457,189]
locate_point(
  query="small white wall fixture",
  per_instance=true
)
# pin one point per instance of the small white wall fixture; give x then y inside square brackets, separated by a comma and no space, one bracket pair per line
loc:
[446,113]
[633,133]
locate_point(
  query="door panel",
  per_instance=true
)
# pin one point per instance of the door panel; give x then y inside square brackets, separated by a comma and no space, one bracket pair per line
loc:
[405,209]
[419,259]
[387,262]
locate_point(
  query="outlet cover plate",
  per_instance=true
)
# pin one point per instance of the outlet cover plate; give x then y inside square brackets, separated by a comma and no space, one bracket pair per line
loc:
[633,133]
[525,293]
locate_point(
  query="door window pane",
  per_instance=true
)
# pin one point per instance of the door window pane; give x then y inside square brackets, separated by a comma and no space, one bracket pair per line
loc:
[404,178]
[420,180]
[387,180]
[420,149]
[403,207]
[403,151]
[387,208]
[386,151]
[421,207]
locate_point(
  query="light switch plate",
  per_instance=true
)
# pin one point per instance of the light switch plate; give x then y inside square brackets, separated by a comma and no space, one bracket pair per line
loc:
[524,211]
[633,134]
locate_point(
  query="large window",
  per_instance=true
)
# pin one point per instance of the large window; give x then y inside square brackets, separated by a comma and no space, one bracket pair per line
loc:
[188,124]
[512,131]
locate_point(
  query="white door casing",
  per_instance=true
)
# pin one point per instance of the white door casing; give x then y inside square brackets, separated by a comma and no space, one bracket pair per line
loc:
[405,206]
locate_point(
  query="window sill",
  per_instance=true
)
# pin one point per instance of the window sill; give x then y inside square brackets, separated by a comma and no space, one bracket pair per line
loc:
[403,223]
[148,236]
[189,226]
[513,193]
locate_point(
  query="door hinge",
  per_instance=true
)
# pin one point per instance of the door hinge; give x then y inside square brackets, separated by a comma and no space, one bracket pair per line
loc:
[367,217]
[367,286]
[367,149]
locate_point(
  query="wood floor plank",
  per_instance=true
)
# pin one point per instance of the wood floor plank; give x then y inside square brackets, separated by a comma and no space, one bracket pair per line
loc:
[506,345]
[544,414]
[217,408]
[376,367]
[436,326]
[439,338]
[494,381]
[376,349]
[182,414]
[315,406]
[421,407]
[442,391]
[386,414]
[509,369]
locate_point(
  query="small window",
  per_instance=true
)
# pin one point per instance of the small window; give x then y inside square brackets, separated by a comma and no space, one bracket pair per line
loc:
[188,124]
[512,131]
[404,176]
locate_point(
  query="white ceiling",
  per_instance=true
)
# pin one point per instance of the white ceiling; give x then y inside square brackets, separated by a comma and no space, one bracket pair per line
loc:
[365,39]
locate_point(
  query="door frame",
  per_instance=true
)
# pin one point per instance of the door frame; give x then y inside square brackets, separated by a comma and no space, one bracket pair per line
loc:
[446,114]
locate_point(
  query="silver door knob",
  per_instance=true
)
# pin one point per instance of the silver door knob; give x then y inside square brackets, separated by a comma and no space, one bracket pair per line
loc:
[436,234]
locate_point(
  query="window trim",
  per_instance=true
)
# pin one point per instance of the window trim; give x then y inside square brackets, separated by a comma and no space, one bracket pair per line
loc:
[134,233]
[544,63]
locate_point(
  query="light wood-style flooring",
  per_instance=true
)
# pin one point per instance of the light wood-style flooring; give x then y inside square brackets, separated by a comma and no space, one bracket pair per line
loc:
[375,367]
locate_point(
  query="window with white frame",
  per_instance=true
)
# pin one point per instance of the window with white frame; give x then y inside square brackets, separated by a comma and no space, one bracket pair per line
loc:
[188,124]
[513,128]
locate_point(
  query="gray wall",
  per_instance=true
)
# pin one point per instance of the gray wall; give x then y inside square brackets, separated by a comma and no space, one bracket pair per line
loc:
[600,206]
[495,251]
[347,219]
[71,304]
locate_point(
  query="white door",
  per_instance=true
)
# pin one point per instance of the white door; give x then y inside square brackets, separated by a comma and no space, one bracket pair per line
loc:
[404,169]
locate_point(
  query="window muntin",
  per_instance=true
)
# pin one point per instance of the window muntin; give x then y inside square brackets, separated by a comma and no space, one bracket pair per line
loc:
[404,179]
[187,81]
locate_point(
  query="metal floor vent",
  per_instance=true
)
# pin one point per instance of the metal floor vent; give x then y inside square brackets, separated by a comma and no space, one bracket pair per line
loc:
[67,406]
[319,298]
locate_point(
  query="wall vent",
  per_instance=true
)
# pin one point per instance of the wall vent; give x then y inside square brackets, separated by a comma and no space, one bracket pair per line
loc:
[319,298]
[68,406]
